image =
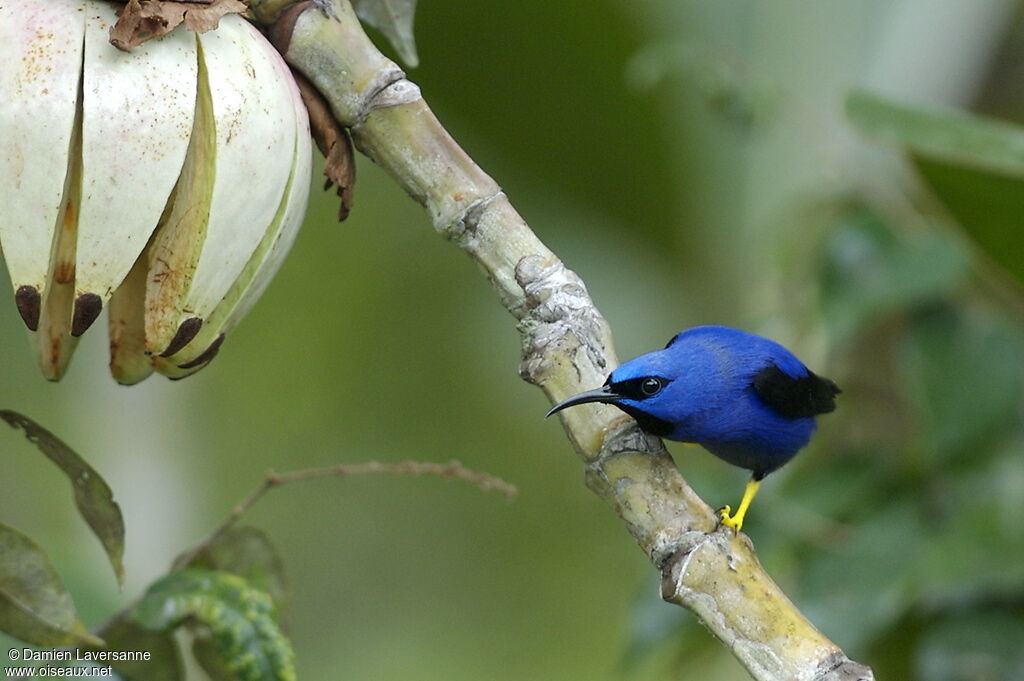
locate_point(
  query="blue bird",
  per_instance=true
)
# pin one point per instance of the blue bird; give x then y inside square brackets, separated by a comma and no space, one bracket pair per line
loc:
[744,398]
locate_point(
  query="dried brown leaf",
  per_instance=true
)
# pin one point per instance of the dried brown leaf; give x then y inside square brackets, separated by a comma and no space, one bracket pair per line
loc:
[142,20]
[201,19]
[334,143]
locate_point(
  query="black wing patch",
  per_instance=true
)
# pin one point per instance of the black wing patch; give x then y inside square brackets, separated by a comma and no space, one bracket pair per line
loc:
[795,398]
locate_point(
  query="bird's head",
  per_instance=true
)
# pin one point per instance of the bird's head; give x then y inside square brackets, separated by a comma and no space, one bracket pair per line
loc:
[646,388]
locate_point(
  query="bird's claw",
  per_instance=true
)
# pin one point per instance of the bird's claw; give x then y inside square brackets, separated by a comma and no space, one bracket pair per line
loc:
[726,518]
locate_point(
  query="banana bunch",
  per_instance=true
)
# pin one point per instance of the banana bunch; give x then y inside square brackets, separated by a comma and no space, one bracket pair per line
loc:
[164,185]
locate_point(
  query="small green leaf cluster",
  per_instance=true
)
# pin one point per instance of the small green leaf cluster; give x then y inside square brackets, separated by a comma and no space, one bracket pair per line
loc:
[228,598]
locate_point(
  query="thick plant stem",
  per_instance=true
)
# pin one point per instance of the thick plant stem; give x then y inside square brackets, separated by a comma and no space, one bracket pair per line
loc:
[567,348]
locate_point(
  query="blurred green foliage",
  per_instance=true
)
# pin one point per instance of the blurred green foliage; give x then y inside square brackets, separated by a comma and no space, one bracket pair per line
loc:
[974,165]
[693,163]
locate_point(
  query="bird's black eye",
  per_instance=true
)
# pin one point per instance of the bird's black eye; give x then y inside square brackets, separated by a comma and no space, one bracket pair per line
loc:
[639,388]
[651,386]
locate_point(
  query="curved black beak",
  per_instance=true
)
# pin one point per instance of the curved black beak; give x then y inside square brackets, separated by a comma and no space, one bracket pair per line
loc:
[603,394]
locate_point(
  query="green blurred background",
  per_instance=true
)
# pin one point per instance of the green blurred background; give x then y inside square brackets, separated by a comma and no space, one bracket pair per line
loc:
[692,161]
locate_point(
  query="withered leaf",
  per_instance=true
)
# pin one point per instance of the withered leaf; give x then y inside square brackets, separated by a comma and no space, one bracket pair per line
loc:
[93,497]
[142,20]
[334,143]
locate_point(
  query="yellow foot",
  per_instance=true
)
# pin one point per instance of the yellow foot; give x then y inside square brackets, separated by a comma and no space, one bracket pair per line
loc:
[727,519]
[736,521]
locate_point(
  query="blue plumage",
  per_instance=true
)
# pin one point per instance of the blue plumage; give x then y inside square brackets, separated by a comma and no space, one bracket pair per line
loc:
[710,398]
[744,398]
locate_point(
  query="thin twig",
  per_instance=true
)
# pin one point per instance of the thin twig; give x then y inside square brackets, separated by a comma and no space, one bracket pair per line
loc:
[453,469]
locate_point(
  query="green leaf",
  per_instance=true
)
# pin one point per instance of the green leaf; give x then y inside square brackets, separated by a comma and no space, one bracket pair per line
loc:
[123,634]
[394,19]
[986,204]
[949,134]
[248,553]
[34,605]
[974,165]
[239,617]
[93,497]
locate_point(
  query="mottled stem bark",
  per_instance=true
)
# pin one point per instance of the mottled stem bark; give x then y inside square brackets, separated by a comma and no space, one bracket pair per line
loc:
[567,348]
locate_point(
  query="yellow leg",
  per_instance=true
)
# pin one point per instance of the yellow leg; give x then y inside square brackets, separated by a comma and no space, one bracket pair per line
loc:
[736,521]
